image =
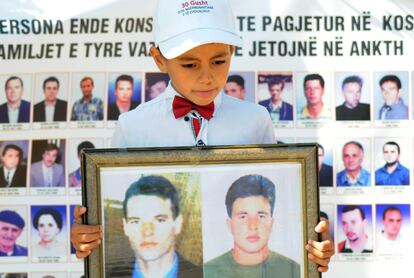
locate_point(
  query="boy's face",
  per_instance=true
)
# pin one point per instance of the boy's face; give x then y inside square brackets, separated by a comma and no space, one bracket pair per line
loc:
[200,73]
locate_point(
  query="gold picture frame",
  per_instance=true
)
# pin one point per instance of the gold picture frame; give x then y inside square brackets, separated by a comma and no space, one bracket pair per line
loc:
[205,178]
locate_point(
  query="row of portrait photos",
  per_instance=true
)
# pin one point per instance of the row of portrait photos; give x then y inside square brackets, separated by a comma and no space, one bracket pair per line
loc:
[47,167]
[40,232]
[43,231]
[86,100]
[361,230]
[50,166]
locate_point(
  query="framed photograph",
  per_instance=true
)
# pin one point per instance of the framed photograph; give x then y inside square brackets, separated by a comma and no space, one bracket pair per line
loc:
[202,211]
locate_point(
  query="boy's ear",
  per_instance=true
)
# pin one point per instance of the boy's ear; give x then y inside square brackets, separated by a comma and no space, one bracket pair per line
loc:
[159,59]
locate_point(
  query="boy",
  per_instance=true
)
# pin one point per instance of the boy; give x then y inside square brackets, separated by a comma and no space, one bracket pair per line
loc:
[195,44]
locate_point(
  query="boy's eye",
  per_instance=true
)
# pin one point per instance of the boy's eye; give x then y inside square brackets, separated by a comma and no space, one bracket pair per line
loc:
[188,65]
[219,62]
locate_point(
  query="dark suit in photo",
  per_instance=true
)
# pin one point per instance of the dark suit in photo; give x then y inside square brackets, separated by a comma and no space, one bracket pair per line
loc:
[113,111]
[326,176]
[61,107]
[360,113]
[19,178]
[285,112]
[24,113]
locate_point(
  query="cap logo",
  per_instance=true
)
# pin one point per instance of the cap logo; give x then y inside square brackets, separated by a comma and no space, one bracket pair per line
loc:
[190,7]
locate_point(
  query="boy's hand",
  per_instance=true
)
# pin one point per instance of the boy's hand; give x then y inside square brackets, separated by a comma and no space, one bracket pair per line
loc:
[84,238]
[321,252]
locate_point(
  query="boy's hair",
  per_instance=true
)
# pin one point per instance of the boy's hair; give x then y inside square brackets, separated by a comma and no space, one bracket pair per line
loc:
[391,78]
[180,26]
[236,79]
[250,185]
[352,79]
[349,208]
[12,78]
[48,211]
[313,76]
[153,186]
[51,79]
[124,77]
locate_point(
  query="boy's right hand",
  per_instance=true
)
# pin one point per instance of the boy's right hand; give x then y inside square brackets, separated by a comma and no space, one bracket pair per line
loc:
[84,238]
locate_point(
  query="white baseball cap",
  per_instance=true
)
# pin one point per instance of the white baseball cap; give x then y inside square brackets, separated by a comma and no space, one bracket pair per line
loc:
[180,25]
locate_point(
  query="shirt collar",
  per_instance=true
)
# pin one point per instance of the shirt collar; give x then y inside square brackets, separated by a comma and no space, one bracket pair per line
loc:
[170,93]
[172,273]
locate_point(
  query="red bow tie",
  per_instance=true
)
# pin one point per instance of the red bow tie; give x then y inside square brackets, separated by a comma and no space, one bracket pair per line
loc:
[181,107]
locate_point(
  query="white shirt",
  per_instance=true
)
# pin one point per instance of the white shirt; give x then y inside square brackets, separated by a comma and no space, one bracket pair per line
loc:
[153,124]
[10,173]
[50,112]
[398,246]
[13,115]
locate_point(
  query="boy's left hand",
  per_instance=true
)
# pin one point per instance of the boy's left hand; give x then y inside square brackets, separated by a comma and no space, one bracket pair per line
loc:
[321,252]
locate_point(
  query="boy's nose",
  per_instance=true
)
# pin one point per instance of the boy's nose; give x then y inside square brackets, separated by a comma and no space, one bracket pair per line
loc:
[206,76]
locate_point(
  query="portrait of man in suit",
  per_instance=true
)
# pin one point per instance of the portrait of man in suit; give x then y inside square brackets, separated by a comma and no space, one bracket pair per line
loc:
[12,174]
[15,110]
[47,172]
[51,109]
[124,88]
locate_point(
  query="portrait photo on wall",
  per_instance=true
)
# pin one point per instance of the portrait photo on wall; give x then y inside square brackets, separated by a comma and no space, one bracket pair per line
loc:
[393,233]
[13,164]
[13,275]
[16,98]
[352,96]
[75,147]
[47,167]
[275,93]
[124,93]
[155,84]
[325,160]
[354,229]
[393,160]
[391,98]
[88,96]
[51,97]
[207,218]
[49,233]
[353,162]
[313,96]
[241,85]
[14,225]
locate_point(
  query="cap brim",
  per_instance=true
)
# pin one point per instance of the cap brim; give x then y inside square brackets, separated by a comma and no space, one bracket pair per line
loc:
[184,42]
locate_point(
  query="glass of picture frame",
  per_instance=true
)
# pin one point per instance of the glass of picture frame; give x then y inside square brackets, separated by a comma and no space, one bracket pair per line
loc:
[220,211]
